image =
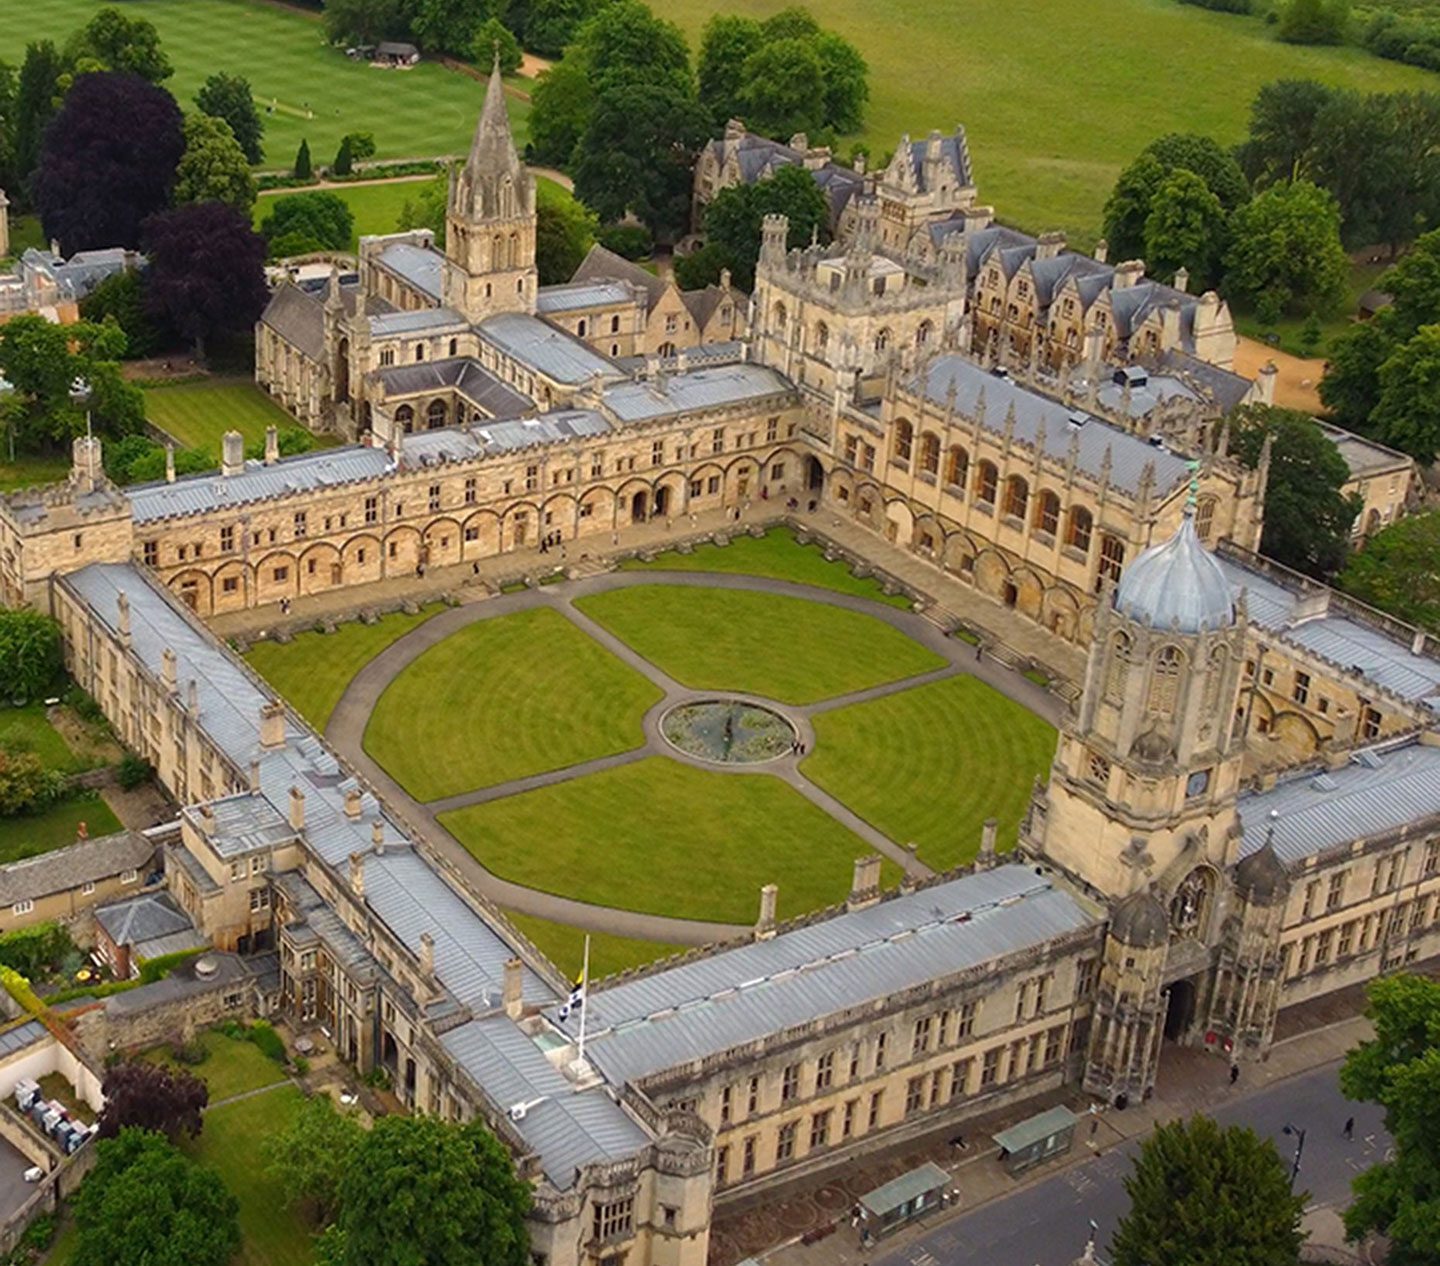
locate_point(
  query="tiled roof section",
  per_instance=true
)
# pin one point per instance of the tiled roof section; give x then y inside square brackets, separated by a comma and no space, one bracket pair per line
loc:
[566,1128]
[426,320]
[298,317]
[477,439]
[403,890]
[600,264]
[1128,454]
[464,374]
[422,268]
[578,295]
[544,348]
[205,493]
[23,1035]
[954,153]
[87,862]
[698,389]
[1342,640]
[143,918]
[1227,388]
[714,1004]
[1381,789]
[704,303]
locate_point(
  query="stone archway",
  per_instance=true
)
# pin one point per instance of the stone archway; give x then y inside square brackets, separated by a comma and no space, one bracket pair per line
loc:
[637,507]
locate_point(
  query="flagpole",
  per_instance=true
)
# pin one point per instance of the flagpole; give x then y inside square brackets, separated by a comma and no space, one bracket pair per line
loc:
[584,998]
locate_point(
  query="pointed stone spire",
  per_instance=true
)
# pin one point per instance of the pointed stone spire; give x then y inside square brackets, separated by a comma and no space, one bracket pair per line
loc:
[492,152]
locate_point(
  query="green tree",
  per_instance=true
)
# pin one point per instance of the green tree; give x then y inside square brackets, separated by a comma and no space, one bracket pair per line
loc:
[784,90]
[733,220]
[41,360]
[303,169]
[1133,198]
[1128,208]
[449,26]
[703,267]
[491,36]
[728,41]
[1185,228]
[362,145]
[344,162]
[113,40]
[121,298]
[794,23]
[420,1190]
[1350,387]
[213,167]
[1313,21]
[1285,249]
[37,98]
[551,24]
[1399,1068]
[1203,1195]
[311,1156]
[29,653]
[1408,414]
[26,786]
[229,97]
[9,83]
[426,210]
[560,107]
[1307,516]
[1214,165]
[846,78]
[365,21]
[564,232]
[1396,571]
[1282,138]
[147,1204]
[1414,283]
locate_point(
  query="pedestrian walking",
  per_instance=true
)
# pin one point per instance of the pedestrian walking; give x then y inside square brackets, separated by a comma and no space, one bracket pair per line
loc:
[979,652]
[1234,1073]
[1349,1130]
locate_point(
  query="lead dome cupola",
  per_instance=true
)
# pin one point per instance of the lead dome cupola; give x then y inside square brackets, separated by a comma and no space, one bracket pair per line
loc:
[1177,585]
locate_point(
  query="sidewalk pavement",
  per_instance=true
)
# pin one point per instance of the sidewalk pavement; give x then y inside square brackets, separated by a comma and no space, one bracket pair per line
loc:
[773,1229]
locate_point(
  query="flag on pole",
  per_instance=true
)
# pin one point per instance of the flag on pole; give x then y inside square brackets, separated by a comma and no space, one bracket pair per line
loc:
[576,999]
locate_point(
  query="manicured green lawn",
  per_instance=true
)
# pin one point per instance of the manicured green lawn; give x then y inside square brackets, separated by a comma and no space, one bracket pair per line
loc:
[666,838]
[777,555]
[1057,95]
[54,828]
[232,1067]
[565,947]
[272,1231]
[520,694]
[198,414]
[313,670]
[25,232]
[27,730]
[929,765]
[783,648]
[416,113]
[30,471]
[1290,328]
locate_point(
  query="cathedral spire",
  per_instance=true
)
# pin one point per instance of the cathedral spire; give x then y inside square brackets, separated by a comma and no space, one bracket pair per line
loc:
[492,152]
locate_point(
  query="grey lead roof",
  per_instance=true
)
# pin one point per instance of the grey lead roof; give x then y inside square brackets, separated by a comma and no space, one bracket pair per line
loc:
[1129,454]
[1380,789]
[390,324]
[420,267]
[455,443]
[574,296]
[707,388]
[566,1128]
[466,375]
[737,996]
[545,349]
[85,862]
[143,918]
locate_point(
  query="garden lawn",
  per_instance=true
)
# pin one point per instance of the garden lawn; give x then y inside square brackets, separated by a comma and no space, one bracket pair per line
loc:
[232,1067]
[1057,95]
[27,730]
[54,828]
[198,414]
[232,1142]
[787,649]
[929,765]
[777,555]
[416,113]
[313,670]
[565,947]
[665,838]
[505,698]
[32,471]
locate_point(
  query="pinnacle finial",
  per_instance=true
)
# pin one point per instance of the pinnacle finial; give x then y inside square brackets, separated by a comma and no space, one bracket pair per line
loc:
[1193,499]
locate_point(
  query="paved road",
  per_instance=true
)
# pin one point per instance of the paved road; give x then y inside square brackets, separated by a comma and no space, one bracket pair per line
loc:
[1047,1224]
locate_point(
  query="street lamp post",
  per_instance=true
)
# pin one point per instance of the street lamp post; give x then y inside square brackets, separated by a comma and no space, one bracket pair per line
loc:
[81,394]
[1299,1136]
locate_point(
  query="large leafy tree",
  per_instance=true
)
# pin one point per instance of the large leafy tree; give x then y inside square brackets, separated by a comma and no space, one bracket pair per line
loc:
[1185,228]
[1208,1197]
[561,103]
[152,1096]
[845,75]
[1396,571]
[626,43]
[733,220]
[37,97]
[552,24]
[113,40]
[213,167]
[121,299]
[365,21]
[420,1190]
[492,38]
[564,232]
[1133,199]
[41,360]
[1399,1068]
[1307,516]
[784,89]
[1408,414]
[1282,140]
[449,26]
[312,1155]
[8,86]
[229,97]
[29,652]
[207,271]
[322,217]
[728,41]
[1285,251]
[108,161]
[1350,387]
[147,1204]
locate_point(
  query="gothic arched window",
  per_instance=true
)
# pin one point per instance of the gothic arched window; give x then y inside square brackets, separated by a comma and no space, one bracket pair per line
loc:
[1165,681]
[904,440]
[957,466]
[1117,669]
[930,453]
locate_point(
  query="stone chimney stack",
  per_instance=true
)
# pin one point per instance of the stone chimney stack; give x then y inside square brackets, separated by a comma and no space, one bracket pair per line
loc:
[272,444]
[1128,274]
[167,669]
[1049,245]
[377,835]
[765,924]
[987,842]
[207,819]
[1102,251]
[427,955]
[514,988]
[357,874]
[255,776]
[1182,279]
[297,808]
[232,460]
[169,463]
[865,885]
[1265,382]
[353,804]
[122,618]
[272,725]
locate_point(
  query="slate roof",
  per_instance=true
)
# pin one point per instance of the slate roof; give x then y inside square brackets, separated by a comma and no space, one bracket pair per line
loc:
[476,439]
[1364,456]
[601,265]
[298,317]
[1129,454]
[148,917]
[394,324]
[954,152]
[706,388]
[422,268]
[545,348]
[21,1036]
[1227,388]
[704,303]
[566,1128]
[87,861]
[577,295]
[855,959]
[486,391]
[1381,789]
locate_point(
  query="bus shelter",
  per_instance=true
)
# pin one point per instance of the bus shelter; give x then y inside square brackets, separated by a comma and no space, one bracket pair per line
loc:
[903,1199]
[1036,1139]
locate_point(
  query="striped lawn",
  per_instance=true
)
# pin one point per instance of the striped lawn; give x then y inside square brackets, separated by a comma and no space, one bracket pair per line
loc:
[198,414]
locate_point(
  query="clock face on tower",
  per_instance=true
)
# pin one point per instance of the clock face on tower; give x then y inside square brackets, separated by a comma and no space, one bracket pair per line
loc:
[1197,783]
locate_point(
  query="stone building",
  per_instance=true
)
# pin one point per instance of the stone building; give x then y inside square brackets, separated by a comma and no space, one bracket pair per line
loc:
[65,885]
